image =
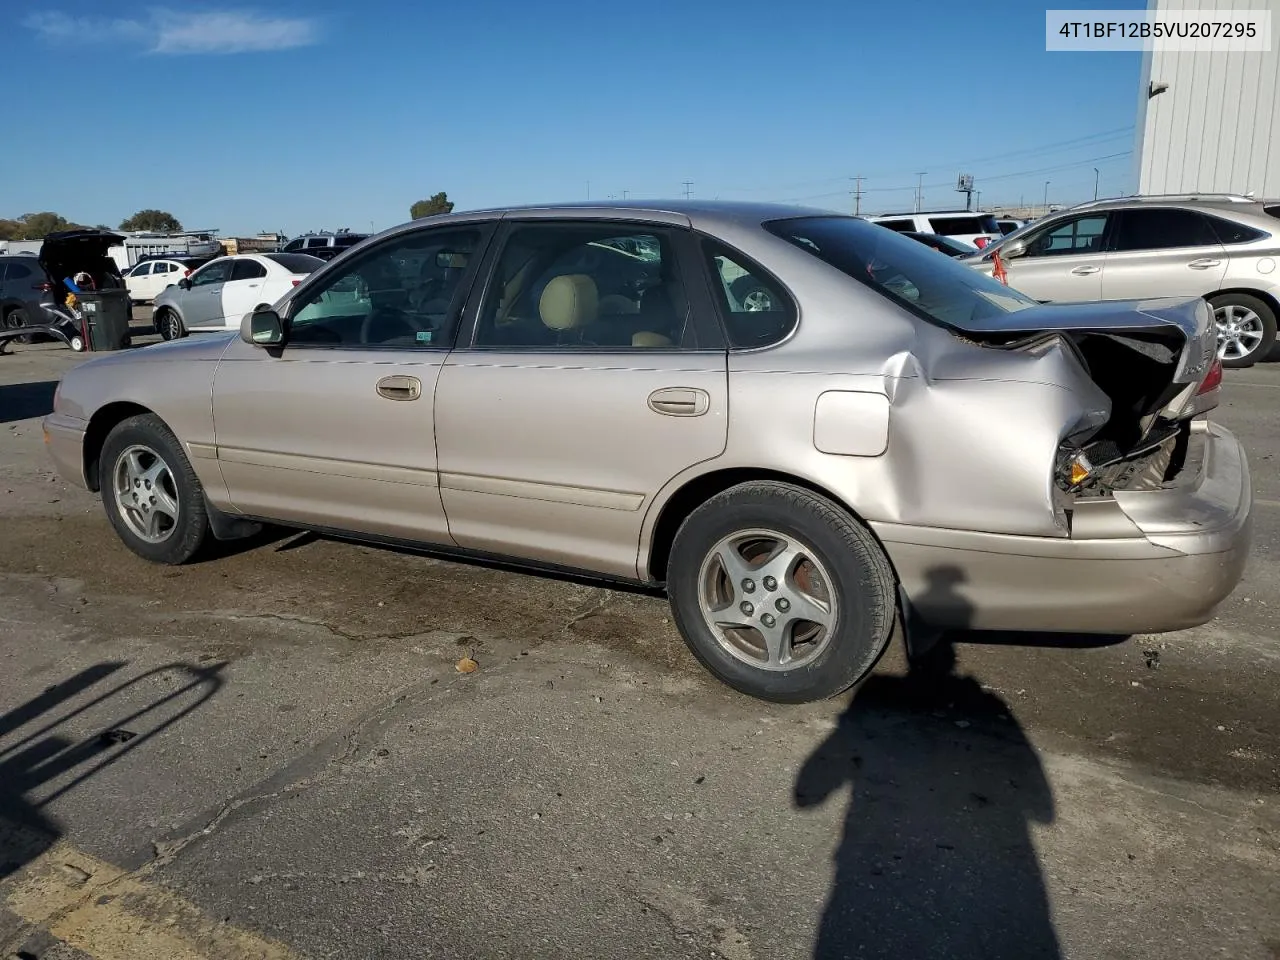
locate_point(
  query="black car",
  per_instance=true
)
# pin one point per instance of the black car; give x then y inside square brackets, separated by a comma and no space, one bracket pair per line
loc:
[952,248]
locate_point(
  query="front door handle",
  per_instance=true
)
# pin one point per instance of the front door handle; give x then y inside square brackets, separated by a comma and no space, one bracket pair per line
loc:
[400,388]
[1204,263]
[680,401]
[1084,271]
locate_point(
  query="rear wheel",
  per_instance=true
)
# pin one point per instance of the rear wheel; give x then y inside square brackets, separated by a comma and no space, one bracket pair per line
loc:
[780,593]
[1246,328]
[169,325]
[150,493]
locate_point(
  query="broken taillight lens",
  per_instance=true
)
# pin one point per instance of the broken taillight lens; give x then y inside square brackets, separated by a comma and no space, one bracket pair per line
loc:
[1212,379]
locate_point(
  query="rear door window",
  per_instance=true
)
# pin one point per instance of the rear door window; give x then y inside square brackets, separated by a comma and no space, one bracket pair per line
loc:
[247,270]
[1162,230]
[902,226]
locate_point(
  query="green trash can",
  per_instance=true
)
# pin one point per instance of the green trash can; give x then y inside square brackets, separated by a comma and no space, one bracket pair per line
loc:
[107,314]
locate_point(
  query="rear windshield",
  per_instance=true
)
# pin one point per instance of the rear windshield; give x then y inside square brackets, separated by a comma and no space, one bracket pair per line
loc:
[909,273]
[296,262]
[962,225]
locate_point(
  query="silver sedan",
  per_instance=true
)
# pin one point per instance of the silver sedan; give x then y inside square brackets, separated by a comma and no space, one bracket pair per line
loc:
[802,426]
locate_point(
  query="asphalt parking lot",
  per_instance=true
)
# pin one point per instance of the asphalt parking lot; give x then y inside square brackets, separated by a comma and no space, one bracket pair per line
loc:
[271,754]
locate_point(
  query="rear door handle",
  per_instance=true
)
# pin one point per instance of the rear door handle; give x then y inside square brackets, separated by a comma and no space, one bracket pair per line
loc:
[400,388]
[680,401]
[1204,263]
[1084,271]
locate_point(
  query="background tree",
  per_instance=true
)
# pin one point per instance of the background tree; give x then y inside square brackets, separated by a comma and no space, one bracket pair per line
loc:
[34,226]
[152,221]
[439,203]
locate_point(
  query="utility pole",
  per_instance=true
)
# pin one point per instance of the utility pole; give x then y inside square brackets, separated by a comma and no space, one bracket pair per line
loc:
[978,202]
[1046,196]
[688,189]
[588,189]
[919,190]
[1095,183]
[857,195]
[626,194]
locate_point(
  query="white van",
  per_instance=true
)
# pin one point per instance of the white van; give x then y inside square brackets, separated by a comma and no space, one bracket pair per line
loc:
[967,226]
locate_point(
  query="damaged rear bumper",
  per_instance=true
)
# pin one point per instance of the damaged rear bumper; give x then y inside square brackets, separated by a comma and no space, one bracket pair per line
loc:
[1139,562]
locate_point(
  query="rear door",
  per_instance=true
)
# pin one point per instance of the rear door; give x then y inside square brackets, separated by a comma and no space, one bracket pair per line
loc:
[1064,260]
[202,303]
[1162,252]
[244,290]
[593,374]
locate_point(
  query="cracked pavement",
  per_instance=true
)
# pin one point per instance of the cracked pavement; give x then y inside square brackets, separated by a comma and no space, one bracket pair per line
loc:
[309,775]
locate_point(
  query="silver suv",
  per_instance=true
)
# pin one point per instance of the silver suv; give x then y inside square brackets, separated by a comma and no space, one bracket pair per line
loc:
[1222,247]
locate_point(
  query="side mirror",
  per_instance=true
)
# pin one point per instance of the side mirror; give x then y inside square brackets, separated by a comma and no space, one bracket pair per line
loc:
[184,283]
[263,328]
[1014,248]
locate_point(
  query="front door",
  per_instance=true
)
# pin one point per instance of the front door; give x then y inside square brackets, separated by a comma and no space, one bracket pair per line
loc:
[1064,261]
[202,303]
[1163,252]
[587,384]
[335,430]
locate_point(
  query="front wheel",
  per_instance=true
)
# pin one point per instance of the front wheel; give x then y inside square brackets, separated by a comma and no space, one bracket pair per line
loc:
[780,593]
[169,325]
[1246,328]
[151,494]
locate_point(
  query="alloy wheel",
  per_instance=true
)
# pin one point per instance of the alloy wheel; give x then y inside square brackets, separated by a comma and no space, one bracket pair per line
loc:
[767,599]
[146,494]
[1240,331]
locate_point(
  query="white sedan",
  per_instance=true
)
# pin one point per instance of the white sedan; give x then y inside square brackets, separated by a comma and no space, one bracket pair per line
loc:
[145,280]
[219,294]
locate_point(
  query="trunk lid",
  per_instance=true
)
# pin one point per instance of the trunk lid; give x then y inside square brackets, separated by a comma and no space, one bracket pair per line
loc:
[66,253]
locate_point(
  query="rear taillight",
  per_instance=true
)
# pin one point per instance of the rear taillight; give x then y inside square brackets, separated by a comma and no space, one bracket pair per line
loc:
[981,242]
[1212,379]
[45,287]
[186,273]
[296,282]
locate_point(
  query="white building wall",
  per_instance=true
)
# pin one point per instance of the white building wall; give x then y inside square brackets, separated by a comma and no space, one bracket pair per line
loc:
[1215,129]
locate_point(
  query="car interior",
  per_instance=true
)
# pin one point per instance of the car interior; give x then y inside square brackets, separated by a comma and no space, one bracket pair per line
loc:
[570,287]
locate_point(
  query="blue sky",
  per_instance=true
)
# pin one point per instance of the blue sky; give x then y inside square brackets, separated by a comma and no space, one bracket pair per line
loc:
[320,114]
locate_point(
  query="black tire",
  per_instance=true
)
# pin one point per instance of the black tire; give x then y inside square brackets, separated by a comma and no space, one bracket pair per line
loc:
[1264,313]
[17,317]
[169,325]
[862,582]
[190,528]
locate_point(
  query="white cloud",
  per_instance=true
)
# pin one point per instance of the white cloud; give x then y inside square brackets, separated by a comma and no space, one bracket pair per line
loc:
[175,32]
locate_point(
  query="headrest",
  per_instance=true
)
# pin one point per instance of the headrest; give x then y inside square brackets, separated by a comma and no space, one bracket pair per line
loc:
[646,338]
[568,302]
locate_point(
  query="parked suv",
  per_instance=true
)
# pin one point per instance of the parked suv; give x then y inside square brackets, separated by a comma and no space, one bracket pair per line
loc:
[1222,247]
[22,280]
[326,246]
[971,227]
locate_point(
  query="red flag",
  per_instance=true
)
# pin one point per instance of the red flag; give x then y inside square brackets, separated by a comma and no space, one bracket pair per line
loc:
[997,268]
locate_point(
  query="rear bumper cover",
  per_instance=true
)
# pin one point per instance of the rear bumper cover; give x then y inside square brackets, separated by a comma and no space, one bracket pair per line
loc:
[1174,555]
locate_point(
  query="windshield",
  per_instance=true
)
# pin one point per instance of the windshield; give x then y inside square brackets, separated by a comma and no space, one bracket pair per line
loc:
[904,270]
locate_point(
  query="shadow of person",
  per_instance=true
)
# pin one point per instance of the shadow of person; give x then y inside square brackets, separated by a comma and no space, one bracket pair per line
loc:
[936,857]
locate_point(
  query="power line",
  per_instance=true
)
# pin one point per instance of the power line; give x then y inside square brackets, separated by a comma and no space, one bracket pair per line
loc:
[1092,139]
